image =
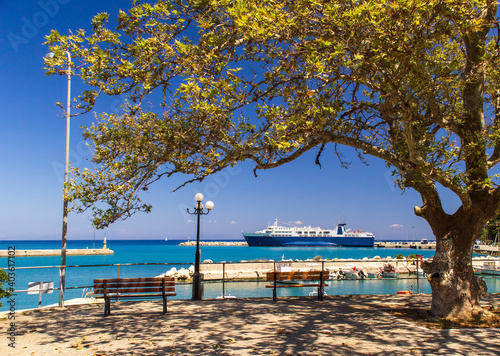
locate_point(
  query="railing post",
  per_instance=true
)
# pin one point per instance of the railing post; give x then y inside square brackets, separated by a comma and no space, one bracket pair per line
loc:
[118,274]
[40,296]
[274,288]
[418,284]
[320,294]
[223,280]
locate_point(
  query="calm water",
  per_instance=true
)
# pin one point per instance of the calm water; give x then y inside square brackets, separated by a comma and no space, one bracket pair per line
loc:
[158,251]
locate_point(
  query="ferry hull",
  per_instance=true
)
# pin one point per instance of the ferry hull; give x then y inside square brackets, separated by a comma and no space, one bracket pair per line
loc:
[254,239]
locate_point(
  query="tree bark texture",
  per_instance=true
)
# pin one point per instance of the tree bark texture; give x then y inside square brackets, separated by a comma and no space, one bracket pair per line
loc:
[456,291]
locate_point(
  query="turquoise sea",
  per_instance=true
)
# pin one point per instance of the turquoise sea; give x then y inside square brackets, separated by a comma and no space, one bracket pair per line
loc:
[159,251]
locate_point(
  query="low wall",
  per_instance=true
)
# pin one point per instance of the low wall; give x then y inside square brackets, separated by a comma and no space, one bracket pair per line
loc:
[70,252]
[258,270]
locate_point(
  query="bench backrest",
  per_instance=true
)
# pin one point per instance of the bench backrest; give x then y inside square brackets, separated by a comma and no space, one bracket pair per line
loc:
[297,275]
[134,285]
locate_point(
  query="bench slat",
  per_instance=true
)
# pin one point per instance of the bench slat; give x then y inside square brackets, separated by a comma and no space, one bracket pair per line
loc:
[133,290]
[133,285]
[127,296]
[295,285]
[147,279]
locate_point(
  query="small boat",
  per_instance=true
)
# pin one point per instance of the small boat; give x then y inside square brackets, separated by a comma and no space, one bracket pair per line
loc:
[406,291]
[371,275]
[351,273]
[389,271]
[491,268]
[315,292]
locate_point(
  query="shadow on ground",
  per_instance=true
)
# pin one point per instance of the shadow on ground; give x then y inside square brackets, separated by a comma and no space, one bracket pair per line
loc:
[339,325]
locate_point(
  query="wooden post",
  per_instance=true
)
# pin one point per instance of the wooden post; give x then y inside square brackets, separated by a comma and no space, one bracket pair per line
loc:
[106,298]
[320,291]
[164,296]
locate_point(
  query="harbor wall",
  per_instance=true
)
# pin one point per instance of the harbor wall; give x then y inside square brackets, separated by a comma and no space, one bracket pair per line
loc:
[42,253]
[431,245]
[382,244]
[487,249]
[258,270]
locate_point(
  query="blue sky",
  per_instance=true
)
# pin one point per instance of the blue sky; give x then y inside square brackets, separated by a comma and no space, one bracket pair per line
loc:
[32,142]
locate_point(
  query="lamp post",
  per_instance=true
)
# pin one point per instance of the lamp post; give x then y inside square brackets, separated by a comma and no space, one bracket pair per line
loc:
[62,269]
[198,210]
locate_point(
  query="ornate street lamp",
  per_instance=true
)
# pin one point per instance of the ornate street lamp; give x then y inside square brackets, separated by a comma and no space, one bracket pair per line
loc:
[198,210]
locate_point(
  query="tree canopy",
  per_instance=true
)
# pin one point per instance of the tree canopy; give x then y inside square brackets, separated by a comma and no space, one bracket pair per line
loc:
[210,83]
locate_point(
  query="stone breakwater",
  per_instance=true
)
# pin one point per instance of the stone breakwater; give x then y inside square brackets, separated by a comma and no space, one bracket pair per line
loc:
[41,253]
[214,243]
[256,270]
[431,245]
[418,245]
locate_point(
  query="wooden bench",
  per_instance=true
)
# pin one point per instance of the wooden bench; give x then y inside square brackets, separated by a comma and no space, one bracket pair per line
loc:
[131,288]
[295,279]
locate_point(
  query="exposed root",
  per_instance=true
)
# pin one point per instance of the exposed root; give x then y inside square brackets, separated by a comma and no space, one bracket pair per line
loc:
[487,317]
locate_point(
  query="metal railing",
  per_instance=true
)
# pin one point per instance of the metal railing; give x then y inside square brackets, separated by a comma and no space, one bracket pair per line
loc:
[118,265]
[328,265]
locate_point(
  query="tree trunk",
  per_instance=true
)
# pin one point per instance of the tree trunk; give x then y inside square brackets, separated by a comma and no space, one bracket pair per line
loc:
[456,291]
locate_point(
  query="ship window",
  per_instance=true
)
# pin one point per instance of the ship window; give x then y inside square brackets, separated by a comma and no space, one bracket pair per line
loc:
[305,232]
[326,232]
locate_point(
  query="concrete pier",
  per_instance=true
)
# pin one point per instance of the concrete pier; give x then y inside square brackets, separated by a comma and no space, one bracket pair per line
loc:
[382,244]
[487,249]
[430,245]
[41,253]
[215,243]
[256,270]
[248,271]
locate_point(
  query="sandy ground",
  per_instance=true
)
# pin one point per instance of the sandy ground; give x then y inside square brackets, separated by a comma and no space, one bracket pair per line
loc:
[339,325]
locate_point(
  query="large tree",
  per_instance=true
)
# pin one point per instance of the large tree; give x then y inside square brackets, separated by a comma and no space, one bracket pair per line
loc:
[210,83]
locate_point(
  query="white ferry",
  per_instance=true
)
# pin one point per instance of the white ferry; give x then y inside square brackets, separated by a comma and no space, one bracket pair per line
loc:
[276,235]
